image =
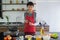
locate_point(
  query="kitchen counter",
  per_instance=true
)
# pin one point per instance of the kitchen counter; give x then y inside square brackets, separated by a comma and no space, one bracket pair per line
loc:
[6,25]
[13,24]
[38,33]
[58,36]
[50,32]
[10,24]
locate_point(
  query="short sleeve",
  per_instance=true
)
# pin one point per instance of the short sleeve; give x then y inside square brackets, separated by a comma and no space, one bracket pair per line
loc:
[24,15]
[35,16]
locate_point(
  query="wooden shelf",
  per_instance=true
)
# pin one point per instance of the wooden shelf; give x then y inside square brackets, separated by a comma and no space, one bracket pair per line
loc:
[14,3]
[12,10]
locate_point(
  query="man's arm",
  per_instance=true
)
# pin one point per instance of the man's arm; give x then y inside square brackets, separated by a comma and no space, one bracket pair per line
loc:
[34,19]
[25,21]
[35,16]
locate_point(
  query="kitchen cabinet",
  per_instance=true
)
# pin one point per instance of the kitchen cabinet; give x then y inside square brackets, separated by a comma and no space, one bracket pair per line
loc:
[21,29]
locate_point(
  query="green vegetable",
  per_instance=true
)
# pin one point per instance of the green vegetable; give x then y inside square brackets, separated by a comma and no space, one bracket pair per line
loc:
[55,35]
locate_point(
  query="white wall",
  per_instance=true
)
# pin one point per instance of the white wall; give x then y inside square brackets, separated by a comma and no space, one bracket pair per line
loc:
[50,12]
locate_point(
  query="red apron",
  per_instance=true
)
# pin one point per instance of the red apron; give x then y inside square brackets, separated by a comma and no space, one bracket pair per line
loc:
[29,28]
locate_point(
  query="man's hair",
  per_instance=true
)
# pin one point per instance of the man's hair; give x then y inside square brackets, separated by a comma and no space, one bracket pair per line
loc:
[30,3]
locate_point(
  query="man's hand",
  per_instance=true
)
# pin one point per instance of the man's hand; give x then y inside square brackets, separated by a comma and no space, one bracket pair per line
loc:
[26,21]
[30,23]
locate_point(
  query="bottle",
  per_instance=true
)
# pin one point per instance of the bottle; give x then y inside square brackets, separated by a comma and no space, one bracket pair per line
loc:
[38,38]
[42,31]
[22,1]
[10,1]
[16,1]
[23,9]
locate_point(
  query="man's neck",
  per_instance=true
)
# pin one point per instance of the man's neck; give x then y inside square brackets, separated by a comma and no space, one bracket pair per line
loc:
[30,11]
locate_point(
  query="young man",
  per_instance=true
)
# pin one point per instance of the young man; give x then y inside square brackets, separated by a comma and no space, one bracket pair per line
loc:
[30,19]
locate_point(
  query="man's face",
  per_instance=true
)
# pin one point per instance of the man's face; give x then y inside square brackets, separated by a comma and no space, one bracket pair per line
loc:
[30,7]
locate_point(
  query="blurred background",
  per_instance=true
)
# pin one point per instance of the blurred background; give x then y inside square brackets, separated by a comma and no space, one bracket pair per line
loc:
[47,10]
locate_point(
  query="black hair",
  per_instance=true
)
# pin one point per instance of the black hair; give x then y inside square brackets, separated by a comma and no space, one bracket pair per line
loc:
[30,3]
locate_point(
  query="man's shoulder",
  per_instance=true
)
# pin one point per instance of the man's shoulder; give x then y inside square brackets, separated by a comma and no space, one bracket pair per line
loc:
[34,11]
